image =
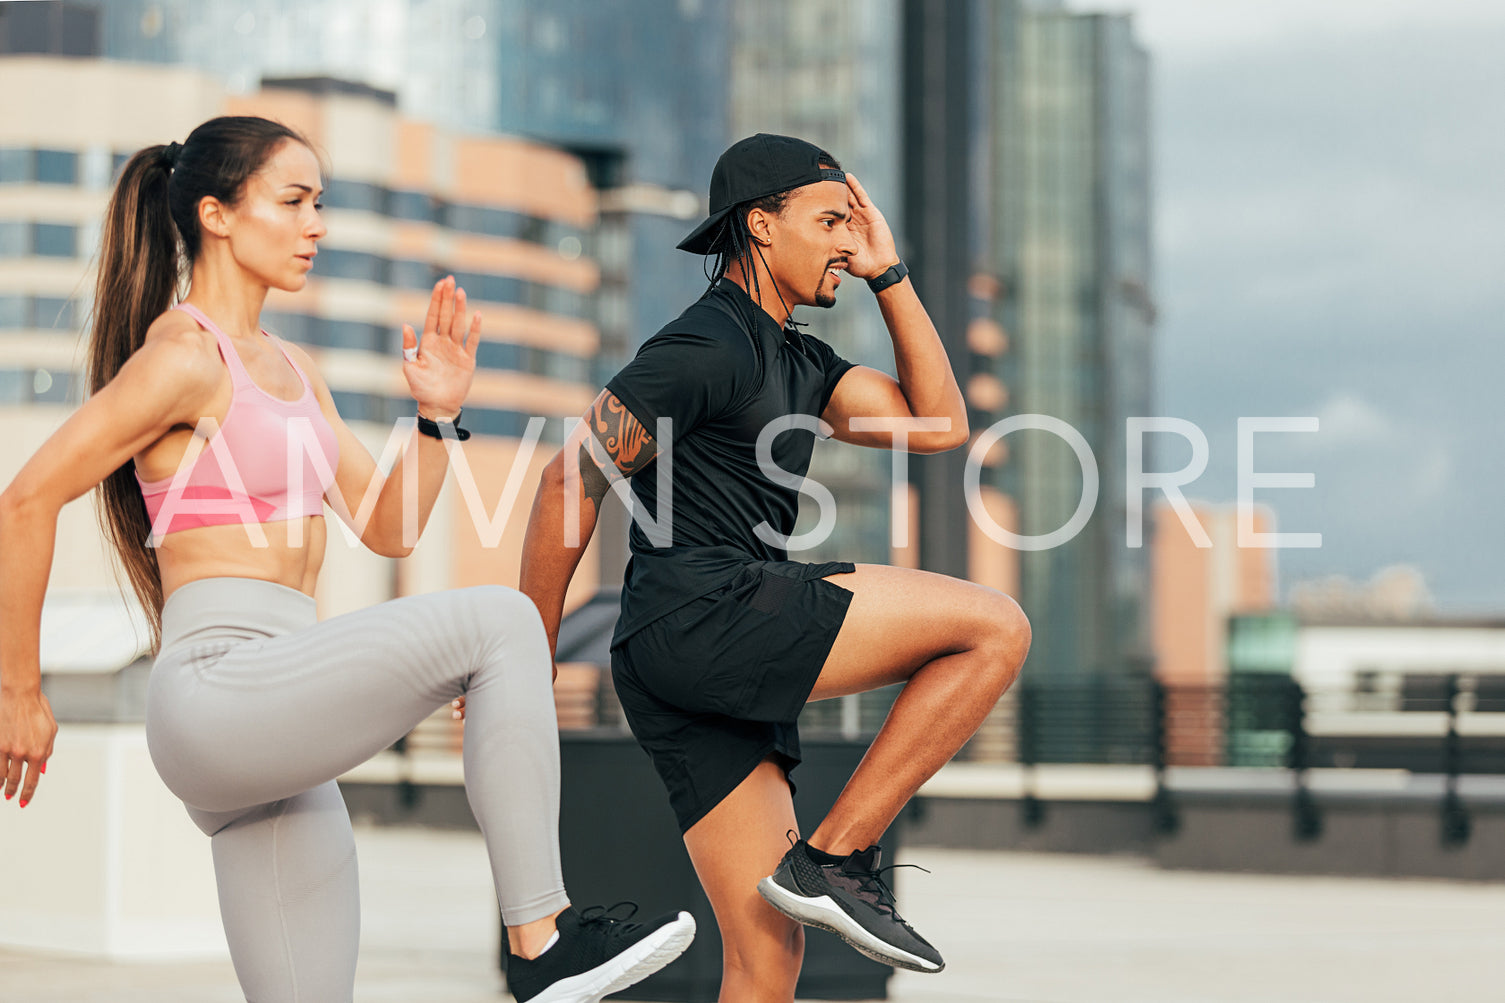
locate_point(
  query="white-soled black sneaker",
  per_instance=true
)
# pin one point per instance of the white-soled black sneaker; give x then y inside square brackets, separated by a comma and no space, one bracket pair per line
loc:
[850,899]
[596,955]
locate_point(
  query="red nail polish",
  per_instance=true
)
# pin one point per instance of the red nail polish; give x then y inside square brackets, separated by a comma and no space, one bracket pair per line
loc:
[9,796]
[25,803]
[44,767]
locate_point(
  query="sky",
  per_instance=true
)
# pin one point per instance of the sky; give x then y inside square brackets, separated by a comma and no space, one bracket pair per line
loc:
[1330,225]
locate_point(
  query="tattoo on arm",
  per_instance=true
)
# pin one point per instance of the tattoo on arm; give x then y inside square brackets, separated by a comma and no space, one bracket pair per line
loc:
[592,481]
[618,438]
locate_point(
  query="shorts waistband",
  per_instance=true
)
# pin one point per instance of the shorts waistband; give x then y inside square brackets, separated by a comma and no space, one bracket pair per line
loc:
[214,609]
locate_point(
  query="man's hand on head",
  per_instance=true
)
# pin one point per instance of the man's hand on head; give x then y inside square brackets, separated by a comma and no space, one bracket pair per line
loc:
[876,250]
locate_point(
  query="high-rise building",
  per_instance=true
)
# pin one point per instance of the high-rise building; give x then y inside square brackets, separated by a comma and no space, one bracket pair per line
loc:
[1069,274]
[439,57]
[822,70]
[1016,142]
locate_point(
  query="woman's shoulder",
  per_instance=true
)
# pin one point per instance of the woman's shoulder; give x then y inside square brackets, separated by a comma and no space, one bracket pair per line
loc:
[176,348]
[175,330]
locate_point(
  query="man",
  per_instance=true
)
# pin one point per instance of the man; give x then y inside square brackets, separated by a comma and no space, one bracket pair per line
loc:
[721,639]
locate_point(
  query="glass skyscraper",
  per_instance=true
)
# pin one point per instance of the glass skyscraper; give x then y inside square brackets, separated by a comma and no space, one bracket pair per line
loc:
[1070,246]
[823,70]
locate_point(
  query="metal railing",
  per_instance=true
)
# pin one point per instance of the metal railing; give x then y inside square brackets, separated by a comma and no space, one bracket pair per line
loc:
[1449,725]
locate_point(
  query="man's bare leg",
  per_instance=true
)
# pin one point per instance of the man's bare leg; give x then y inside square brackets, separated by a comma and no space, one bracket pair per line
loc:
[957,647]
[735,844]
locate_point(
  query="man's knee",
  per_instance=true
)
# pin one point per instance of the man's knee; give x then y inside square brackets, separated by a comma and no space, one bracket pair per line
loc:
[770,948]
[1008,637]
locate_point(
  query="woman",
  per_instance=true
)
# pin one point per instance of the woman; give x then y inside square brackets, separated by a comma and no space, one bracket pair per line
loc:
[215,444]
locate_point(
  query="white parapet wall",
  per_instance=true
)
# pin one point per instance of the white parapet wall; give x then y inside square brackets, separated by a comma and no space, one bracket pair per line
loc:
[105,861]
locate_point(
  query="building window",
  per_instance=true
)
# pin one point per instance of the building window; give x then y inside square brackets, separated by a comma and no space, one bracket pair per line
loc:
[292,326]
[492,288]
[57,167]
[351,406]
[494,421]
[55,240]
[350,335]
[536,361]
[54,313]
[408,274]
[49,387]
[357,195]
[499,355]
[15,312]
[410,205]
[485,221]
[570,368]
[335,263]
[15,239]
[15,166]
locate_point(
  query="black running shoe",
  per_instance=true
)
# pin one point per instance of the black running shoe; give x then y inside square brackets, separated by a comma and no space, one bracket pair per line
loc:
[850,899]
[596,955]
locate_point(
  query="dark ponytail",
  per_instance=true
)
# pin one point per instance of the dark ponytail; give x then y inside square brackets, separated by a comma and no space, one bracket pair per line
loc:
[150,240]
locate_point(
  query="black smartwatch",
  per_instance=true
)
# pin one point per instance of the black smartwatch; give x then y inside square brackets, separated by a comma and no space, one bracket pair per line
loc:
[892,277]
[435,430]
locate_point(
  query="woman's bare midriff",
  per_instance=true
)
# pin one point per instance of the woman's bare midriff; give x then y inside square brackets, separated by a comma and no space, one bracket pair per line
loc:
[229,552]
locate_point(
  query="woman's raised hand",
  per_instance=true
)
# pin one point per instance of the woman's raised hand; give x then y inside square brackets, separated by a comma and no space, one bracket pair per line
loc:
[439,366]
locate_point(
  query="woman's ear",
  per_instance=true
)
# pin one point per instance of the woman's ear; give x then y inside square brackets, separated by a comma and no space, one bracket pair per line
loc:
[212,217]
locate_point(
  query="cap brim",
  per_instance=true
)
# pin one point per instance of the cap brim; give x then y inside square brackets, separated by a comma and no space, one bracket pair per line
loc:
[703,237]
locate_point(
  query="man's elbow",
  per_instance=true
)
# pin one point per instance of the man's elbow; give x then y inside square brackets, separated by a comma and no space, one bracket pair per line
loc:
[942,442]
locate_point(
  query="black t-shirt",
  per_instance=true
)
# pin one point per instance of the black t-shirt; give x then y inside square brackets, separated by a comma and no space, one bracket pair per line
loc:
[722,372]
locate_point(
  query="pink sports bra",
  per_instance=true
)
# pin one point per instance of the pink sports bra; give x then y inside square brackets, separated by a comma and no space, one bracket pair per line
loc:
[272,459]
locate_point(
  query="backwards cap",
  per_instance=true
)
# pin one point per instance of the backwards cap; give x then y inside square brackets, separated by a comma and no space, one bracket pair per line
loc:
[753,168]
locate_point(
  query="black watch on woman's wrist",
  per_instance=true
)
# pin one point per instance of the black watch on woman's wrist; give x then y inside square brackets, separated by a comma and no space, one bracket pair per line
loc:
[433,429]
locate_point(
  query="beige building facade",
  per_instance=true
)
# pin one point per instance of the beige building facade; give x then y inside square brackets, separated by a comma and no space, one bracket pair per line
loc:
[406,203]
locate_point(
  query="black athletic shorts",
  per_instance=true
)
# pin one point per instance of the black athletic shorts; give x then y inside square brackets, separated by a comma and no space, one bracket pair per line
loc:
[715,687]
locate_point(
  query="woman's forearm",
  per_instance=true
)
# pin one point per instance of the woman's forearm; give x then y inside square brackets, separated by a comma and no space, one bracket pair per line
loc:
[28,532]
[402,509]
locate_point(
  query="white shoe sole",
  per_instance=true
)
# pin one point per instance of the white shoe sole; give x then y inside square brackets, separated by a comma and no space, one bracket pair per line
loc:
[628,968]
[823,913]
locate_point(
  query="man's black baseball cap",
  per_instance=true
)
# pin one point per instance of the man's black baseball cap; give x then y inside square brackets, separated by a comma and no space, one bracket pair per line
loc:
[752,168]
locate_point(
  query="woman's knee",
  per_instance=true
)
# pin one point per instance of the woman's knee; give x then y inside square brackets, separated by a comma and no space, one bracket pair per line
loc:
[504,614]
[497,603]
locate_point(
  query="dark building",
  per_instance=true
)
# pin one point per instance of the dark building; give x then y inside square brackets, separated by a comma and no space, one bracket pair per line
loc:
[1027,208]
[1071,244]
[50,29]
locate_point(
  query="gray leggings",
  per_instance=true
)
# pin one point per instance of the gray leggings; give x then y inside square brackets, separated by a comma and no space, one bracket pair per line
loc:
[254,707]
